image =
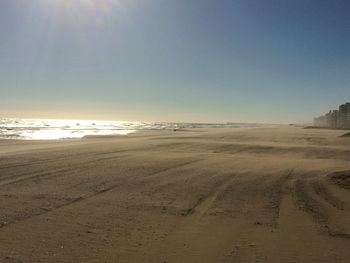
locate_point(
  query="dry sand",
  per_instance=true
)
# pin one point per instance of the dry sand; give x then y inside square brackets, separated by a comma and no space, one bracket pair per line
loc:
[244,195]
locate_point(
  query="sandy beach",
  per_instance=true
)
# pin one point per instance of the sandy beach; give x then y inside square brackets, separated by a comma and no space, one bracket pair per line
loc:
[208,195]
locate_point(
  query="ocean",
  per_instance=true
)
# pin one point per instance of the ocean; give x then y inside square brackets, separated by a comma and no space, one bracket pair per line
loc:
[53,129]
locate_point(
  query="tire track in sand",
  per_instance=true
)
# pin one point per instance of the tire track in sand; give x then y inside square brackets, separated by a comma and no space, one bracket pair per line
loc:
[98,190]
[205,202]
[318,203]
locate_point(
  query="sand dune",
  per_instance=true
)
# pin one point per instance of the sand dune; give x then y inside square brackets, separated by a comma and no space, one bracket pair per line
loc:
[221,195]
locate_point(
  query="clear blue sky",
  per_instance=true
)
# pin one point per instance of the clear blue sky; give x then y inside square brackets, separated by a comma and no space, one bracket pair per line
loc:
[174,60]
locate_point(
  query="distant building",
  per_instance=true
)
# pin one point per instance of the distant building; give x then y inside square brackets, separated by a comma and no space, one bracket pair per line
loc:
[335,119]
[344,116]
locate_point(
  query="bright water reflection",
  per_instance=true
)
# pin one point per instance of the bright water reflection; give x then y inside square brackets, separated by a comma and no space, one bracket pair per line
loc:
[46,129]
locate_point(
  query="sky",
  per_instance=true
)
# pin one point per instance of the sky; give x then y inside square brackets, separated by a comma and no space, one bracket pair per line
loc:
[276,61]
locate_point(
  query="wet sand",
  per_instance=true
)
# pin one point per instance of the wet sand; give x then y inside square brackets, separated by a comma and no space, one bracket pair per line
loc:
[223,195]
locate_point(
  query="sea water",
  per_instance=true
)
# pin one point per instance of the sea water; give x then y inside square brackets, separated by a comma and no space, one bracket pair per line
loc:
[52,129]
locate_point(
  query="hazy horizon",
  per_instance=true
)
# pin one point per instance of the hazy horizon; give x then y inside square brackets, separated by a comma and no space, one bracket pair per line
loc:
[178,61]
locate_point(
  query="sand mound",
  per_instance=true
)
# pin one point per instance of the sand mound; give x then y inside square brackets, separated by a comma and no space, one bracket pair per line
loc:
[342,179]
[346,135]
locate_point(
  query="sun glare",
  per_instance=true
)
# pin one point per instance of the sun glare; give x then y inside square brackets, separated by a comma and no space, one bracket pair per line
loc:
[87,12]
[91,5]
